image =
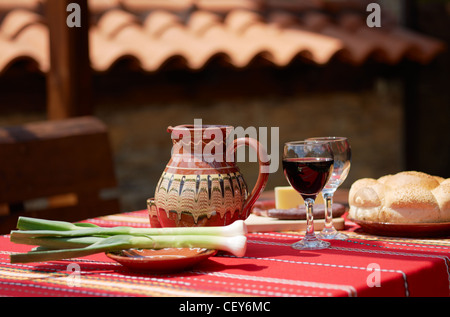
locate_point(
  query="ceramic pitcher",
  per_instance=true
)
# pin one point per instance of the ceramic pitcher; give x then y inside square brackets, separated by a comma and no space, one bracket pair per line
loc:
[201,184]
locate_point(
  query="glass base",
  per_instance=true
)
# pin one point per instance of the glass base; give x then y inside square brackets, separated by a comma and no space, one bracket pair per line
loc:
[331,234]
[310,243]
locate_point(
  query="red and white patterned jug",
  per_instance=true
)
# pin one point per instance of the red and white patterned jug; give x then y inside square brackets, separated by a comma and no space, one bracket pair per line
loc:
[201,184]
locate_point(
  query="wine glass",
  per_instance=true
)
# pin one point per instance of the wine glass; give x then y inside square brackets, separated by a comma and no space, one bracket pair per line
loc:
[342,160]
[307,166]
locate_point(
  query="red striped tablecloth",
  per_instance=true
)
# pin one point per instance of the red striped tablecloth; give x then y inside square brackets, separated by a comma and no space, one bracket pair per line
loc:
[364,265]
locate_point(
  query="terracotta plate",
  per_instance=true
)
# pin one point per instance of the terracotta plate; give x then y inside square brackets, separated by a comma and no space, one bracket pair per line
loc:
[161,260]
[413,230]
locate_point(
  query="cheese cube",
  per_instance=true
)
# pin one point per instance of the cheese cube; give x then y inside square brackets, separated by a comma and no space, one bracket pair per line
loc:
[287,197]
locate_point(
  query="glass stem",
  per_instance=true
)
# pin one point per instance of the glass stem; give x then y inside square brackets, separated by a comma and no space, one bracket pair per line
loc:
[328,204]
[309,203]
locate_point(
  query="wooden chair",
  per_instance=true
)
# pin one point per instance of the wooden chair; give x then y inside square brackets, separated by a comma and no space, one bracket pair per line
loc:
[60,170]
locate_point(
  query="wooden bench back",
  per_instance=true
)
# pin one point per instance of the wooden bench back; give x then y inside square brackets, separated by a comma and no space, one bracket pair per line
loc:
[62,170]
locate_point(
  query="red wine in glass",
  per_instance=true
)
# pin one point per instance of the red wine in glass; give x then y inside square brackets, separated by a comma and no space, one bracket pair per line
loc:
[307,167]
[308,175]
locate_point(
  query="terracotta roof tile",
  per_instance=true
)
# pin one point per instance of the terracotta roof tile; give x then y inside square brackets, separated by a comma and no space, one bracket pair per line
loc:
[151,33]
[229,5]
[23,36]
[7,5]
[17,21]
[422,48]
[147,5]
[99,6]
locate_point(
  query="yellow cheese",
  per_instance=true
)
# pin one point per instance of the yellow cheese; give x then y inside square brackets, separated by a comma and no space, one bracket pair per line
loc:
[287,197]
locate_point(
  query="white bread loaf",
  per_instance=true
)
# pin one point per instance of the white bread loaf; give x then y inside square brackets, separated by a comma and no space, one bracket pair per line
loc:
[406,197]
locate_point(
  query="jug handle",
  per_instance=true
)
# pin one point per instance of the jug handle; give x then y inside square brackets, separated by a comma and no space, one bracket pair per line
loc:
[263,174]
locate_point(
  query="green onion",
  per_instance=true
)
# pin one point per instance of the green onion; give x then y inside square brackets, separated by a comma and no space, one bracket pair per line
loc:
[46,228]
[58,240]
[27,223]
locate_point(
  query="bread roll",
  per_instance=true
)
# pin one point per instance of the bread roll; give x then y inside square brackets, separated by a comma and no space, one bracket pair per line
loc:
[367,201]
[361,183]
[442,194]
[406,197]
[411,177]
[384,179]
[410,203]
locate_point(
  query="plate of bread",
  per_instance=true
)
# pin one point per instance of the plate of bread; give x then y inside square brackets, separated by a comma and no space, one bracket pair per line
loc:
[406,204]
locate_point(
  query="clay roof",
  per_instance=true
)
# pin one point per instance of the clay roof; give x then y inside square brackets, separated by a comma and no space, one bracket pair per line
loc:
[154,32]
